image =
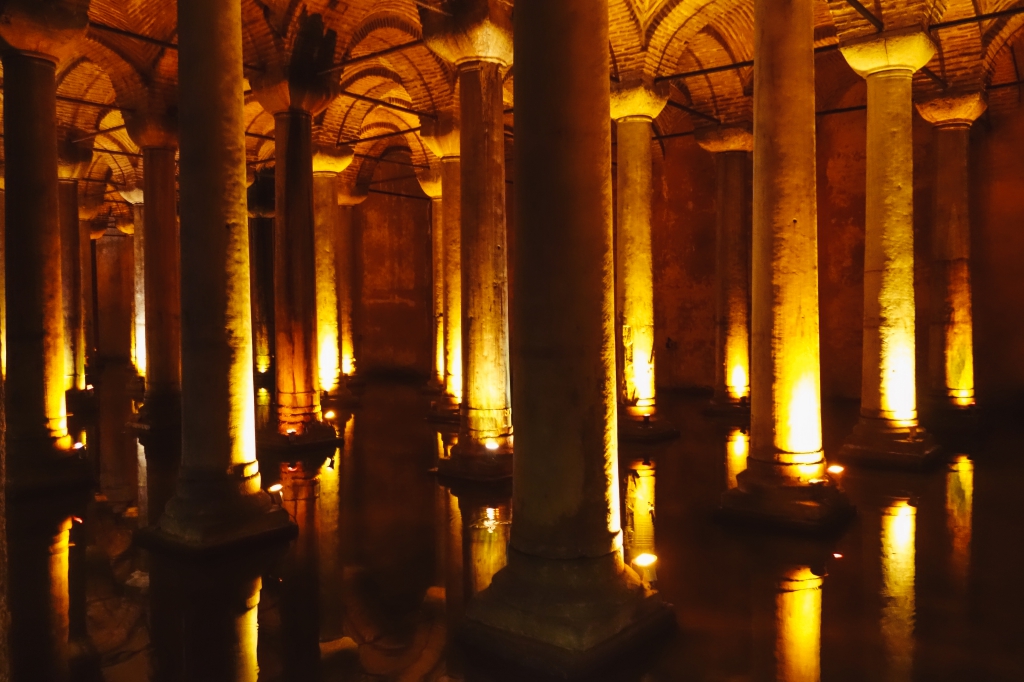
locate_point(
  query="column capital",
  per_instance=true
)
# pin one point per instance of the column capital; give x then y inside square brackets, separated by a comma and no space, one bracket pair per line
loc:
[737,138]
[469,31]
[953,111]
[133,195]
[638,99]
[73,154]
[43,28]
[89,206]
[430,182]
[331,160]
[441,136]
[153,128]
[350,193]
[898,50]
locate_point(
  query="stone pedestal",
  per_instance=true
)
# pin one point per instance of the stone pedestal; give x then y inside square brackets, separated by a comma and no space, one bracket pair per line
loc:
[731,147]
[951,320]
[785,483]
[565,602]
[889,432]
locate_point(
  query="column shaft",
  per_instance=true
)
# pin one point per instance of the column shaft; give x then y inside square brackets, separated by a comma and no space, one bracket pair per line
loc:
[451,188]
[139,289]
[325,227]
[888,389]
[486,406]
[785,355]
[634,267]
[346,271]
[732,275]
[295,310]
[35,315]
[951,336]
[437,283]
[71,286]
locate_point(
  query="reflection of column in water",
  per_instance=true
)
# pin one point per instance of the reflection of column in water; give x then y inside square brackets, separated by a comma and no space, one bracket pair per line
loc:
[486,533]
[959,506]
[899,530]
[300,590]
[263,409]
[737,445]
[143,493]
[638,540]
[331,616]
[798,626]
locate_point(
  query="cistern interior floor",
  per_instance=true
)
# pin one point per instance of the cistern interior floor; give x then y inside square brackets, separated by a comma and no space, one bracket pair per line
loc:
[400,340]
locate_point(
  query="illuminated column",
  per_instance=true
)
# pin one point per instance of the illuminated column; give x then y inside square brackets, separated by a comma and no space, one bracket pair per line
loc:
[260,197]
[218,497]
[785,481]
[3,278]
[638,543]
[349,196]
[565,553]
[38,445]
[430,182]
[88,208]
[136,197]
[327,164]
[443,140]
[951,332]
[73,160]
[478,41]
[156,136]
[787,618]
[888,430]
[899,570]
[634,107]
[731,147]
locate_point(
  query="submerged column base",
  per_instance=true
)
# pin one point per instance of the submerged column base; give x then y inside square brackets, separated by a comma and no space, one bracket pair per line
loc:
[318,437]
[475,461]
[213,511]
[644,428]
[764,496]
[889,443]
[729,409]
[567,617]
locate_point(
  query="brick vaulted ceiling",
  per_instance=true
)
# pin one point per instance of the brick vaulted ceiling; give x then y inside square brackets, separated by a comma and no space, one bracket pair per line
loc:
[115,71]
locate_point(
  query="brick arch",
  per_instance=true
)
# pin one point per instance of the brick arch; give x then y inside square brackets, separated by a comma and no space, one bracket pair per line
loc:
[673,27]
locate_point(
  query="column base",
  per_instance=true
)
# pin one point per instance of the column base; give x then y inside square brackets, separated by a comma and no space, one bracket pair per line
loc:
[955,423]
[730,410]
[345,396]
[215,512]
[433,387]
[444,411]
[819,508]
[569,618]
[883,443]
[645,429]
[474,462]
[318,437]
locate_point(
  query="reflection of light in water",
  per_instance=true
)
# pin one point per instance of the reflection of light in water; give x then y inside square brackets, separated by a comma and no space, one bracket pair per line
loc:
[638,538]
[899,530]
[959,506]
[488,536]
[798,627]
[736,448]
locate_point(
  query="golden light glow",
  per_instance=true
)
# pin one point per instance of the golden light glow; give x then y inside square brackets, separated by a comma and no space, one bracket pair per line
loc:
[453,359]
[959,333]
[645,560]
[491,444]
[328,356]
[959,512]
[799,429]
[899,530]
[739,383]
[835,469]
[329,414]
[276,488]
[638,367]
[798,627]
[899,400]
[737,447]
[489,532]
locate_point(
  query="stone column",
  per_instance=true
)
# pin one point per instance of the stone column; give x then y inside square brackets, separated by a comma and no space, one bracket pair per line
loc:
[566,589]
[136,197]
[218,499]
[327,164]
[951,328]
[634,106]
[443,140]
[731,147]
[349,196]
[261,256]
[888,430]
[73,162]
[88,208]
[430,183]
[477,39]
[785,482]
[160,435]
[3,278]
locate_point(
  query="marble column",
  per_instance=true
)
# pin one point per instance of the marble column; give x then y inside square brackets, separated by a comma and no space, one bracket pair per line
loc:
[634,106]
[565,594]
[160,435]
[785,482]
[135,196]
[430,183]
[477,39]
[349,196]
[443,140]
[73,163]
[888,432]
[951,328]
[219,498]
[731,147]
[327,164]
